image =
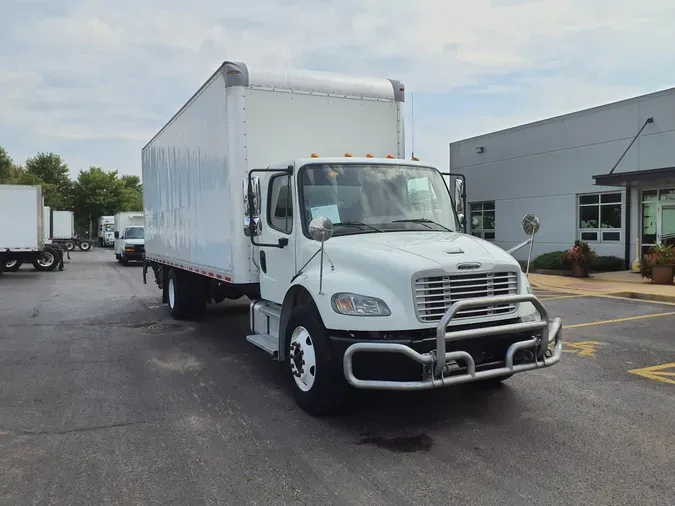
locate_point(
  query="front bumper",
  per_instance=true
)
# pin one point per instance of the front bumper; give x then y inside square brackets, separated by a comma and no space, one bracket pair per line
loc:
[436,372]
[133,255]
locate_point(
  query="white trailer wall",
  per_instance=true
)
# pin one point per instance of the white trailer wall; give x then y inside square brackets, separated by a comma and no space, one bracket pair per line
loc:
[64,225]
[21,218]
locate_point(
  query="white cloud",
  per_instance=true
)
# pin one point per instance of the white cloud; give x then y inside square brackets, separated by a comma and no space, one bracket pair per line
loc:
[93,79]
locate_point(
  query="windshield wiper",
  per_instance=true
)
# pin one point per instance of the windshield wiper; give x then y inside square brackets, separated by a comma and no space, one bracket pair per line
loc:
[357,224]
[423,221]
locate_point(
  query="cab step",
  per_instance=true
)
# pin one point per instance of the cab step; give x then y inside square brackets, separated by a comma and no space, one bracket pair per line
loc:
[265,342]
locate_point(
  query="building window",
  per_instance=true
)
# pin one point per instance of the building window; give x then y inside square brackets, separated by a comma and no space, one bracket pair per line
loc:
[649,214]
[600,217]
[483,219]
[280,204]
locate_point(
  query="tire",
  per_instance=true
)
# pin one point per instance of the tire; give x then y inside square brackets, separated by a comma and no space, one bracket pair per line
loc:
[85,246]
[123,260]
[69,245]
[47,261]
[13,265]
[181,304]
[317,381]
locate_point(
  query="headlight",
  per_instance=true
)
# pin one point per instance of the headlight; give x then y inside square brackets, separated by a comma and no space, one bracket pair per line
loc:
[359,305]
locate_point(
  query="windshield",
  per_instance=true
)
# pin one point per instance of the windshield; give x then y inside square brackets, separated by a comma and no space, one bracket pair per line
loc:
[377,198]
[109,227]
[134,233]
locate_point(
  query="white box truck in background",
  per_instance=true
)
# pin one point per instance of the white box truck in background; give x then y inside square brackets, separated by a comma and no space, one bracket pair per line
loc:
[129,237]
[22,230]
[106,231]
[290,188]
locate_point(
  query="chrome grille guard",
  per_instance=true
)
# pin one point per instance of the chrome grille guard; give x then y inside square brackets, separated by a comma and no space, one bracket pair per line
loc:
[433,367]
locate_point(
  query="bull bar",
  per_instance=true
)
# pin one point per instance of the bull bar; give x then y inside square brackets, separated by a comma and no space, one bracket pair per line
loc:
[434,369]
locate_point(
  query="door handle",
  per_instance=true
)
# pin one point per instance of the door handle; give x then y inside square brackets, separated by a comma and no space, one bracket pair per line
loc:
[263,262]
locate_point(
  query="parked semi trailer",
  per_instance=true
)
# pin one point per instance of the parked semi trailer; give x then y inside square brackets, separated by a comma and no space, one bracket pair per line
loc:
[291,188]
[60,228]
[22,233]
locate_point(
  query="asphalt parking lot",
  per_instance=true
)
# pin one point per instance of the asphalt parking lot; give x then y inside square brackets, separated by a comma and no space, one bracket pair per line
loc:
[104,399]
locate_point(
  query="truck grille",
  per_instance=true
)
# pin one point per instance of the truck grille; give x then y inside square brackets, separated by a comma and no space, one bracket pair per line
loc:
[434,295]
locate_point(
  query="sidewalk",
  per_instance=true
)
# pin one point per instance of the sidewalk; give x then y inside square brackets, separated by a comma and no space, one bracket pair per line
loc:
[617,284]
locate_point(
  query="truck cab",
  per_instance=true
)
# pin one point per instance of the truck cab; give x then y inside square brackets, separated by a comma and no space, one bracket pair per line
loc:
[368,279]
[130,244]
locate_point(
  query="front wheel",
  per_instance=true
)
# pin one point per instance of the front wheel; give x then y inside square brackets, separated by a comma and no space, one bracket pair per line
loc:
[318,383]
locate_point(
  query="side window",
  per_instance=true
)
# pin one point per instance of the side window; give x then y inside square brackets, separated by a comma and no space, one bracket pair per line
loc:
[280,204]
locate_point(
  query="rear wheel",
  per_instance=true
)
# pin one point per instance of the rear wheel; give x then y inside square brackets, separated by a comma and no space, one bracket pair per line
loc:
[317,381]
[69,245]
[13,265]
[46,262]
[85,246]
[185,301]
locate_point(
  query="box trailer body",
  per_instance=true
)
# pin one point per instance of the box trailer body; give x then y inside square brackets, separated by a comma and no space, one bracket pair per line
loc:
[63,223]
[193,168]
[23,232]
[21,218]
[246,184]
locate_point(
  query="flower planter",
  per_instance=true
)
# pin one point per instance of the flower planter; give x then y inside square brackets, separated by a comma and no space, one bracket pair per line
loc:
[579,271]
[662,274]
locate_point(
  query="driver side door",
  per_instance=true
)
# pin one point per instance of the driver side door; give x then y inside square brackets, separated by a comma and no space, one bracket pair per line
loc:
[277,264]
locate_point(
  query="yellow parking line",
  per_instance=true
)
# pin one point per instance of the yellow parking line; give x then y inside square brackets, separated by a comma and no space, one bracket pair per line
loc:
[619,320]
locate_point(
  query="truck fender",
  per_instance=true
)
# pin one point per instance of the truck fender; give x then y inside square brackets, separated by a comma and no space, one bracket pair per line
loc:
[297,295]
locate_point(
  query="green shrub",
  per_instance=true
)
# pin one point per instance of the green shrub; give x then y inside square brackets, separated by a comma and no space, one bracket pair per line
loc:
[608,264]
[554,260]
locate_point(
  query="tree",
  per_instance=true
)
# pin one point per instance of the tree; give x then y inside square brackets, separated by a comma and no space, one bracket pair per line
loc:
[133,193]
[99,193]
[49,170]
[6,166]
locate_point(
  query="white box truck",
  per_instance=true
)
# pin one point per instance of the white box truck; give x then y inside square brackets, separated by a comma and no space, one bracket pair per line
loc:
[22,230]
[106,231]
[291,188]
[129,237]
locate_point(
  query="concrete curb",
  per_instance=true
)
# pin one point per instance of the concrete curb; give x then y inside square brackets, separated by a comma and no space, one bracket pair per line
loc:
[621,294]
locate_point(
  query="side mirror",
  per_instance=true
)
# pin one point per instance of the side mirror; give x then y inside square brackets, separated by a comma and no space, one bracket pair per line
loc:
[459,196]
[117,235]
[530,224]
[462,220]
[251,196]
[252,227]
[321,229]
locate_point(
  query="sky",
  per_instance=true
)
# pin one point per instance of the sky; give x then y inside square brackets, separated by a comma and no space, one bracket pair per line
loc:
[93,80]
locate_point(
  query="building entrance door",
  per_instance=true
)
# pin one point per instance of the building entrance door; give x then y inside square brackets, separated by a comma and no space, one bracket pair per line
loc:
[665,224]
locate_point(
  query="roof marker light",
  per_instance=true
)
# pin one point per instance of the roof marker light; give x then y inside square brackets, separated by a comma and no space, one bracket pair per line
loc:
[369,155]
[314,155]
[348,155]
[390,156]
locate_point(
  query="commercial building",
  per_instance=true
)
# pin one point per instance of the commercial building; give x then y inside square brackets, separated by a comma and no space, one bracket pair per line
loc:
[604,175]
